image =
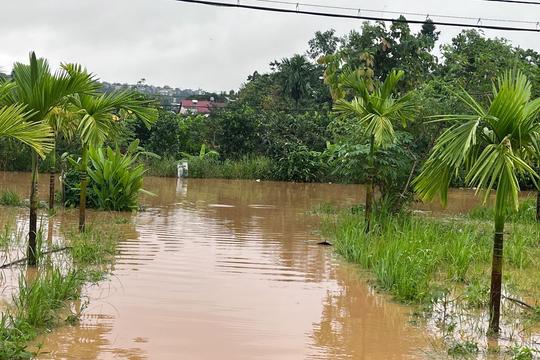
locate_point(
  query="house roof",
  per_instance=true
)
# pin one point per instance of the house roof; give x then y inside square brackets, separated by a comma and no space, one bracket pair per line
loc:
[200,106]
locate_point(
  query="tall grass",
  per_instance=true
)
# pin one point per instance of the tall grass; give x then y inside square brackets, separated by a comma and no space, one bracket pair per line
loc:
[94,247]
[35,309]
[39,303]
[10,198]
[38,300]
[415,258]
[162,167]
[525,214]
[249,167]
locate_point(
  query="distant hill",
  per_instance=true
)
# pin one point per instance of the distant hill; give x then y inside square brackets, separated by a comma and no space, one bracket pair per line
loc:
[168,96]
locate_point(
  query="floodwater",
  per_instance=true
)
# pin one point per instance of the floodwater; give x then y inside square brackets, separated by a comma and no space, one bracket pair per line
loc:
[218,269]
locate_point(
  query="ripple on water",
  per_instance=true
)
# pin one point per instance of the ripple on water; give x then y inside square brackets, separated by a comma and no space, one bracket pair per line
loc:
[231,270]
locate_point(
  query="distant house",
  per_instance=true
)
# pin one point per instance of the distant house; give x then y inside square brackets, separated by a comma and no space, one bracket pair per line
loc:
[199,106]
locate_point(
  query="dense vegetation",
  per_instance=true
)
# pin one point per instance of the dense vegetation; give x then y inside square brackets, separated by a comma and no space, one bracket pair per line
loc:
[285,115]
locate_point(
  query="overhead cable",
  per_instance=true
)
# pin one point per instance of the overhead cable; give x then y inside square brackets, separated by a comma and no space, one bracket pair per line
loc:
[375,11]
[522,2]
[359,16]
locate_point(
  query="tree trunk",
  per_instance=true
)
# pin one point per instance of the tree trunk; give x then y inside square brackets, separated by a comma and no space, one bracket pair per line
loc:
[369,188]
[538,206]
[52,179]
[32,233]
[369,205]
[83,177]
[496,277]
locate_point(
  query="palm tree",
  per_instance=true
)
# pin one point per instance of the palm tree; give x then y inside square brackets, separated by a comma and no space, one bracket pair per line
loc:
[39,90]
[375,110]
[295,75]
[98,115]
[63,124]
[493,146]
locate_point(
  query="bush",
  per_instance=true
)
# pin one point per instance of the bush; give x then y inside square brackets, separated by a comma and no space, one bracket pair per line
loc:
[300,164]
[117,179]
[114,182]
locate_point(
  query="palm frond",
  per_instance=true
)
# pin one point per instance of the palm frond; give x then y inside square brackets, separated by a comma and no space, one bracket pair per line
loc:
[493,146]
[14,124]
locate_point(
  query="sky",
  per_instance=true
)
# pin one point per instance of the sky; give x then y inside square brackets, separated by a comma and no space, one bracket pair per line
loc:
[196,46]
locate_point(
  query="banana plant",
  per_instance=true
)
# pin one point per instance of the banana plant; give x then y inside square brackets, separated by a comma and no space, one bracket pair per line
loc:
[204,154]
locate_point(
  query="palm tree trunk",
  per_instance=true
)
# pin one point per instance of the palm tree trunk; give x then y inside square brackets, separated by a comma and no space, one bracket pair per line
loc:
[496,276]
[369,188]
[52,178]
[32,233]
[83,176]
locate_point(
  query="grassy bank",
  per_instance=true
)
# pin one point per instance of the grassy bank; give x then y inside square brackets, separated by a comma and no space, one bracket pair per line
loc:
[248,168]
[47,298]
[433,262]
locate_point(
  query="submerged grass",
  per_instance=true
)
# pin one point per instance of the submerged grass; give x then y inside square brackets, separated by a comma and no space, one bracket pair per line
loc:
[163,167]
[10,198]
[248,167]
[421,260]
[414,257]
[42,300]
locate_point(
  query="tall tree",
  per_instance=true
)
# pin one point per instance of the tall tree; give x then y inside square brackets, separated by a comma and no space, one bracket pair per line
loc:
[324,43]
[40,90]
[493,146]
[375,111]
[474,61]
[295,74]
[378,49]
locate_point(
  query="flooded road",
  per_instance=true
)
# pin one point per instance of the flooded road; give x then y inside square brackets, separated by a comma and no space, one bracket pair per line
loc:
[218,269]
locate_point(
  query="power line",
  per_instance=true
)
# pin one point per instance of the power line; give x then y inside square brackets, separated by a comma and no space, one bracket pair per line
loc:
[363,10]
[359,16]
[525,2]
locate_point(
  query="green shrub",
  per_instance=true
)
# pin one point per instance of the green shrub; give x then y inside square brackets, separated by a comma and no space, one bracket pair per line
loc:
[300,164]
[116,178]
[114,181]
[72,189]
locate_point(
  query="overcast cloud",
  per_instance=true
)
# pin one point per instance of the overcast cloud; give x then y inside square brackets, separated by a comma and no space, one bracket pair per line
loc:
[196,46]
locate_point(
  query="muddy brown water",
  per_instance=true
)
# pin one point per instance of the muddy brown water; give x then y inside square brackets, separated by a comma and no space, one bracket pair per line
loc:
[218,269]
